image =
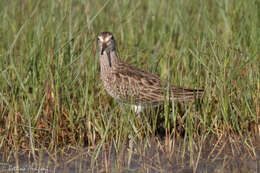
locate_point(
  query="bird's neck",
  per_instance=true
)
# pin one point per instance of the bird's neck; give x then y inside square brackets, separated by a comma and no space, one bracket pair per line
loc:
[108,60]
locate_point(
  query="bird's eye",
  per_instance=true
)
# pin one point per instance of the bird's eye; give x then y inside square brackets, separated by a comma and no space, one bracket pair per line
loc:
[99,38]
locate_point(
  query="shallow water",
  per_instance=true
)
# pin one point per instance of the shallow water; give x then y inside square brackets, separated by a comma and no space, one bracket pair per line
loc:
[141,158]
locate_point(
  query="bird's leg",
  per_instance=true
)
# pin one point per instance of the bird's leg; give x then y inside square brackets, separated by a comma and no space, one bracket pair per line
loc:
[138,109]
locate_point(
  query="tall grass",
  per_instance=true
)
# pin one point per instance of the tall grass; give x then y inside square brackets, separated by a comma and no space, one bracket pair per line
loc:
[51,95]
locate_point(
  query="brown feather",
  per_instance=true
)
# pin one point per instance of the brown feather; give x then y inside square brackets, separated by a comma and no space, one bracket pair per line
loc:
[132,85]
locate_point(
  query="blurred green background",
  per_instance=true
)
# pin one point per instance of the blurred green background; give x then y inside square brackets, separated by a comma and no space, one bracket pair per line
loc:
[51,94]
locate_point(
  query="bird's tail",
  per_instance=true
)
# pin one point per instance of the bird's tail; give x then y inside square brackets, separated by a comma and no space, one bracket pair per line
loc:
[184,94]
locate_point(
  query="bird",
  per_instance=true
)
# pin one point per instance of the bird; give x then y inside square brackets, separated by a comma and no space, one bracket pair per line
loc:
[130,85]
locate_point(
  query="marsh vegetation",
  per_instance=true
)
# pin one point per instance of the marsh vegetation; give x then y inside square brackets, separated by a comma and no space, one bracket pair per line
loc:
[53,106]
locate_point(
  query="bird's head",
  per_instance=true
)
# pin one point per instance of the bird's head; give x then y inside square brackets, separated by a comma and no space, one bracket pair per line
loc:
[106,42]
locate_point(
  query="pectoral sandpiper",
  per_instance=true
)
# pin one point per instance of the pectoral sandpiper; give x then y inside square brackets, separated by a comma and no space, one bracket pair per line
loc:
[133,86]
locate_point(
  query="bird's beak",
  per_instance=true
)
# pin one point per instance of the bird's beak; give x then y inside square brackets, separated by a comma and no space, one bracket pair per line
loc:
[104,46]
